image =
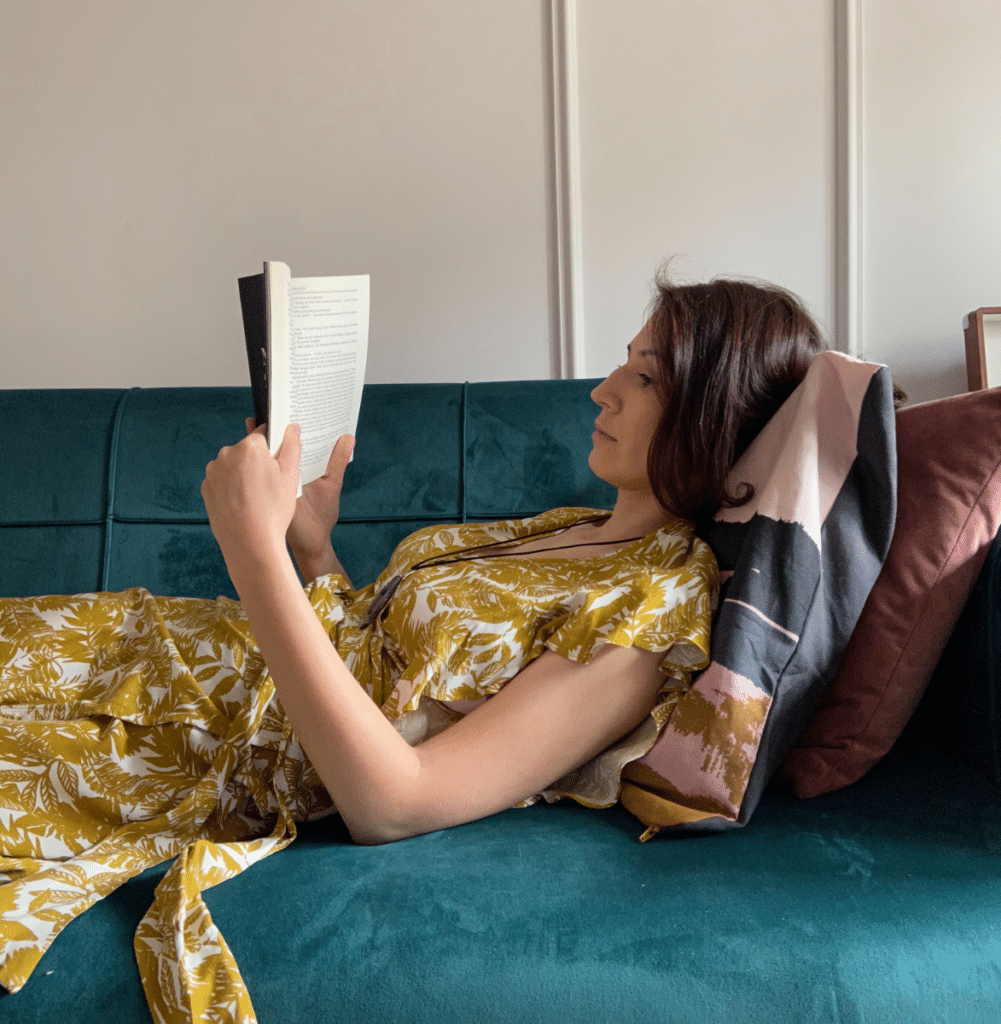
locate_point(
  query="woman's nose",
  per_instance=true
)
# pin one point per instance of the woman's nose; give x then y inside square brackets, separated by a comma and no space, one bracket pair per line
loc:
[603,394]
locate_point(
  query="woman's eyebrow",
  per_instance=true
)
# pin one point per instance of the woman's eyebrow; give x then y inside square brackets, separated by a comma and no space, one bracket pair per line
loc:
[642,352]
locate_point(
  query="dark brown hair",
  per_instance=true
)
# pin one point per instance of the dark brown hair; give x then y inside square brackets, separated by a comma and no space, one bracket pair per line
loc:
[729,353]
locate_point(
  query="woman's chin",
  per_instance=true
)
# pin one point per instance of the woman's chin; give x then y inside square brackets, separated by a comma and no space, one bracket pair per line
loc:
[639,482]
[602,472]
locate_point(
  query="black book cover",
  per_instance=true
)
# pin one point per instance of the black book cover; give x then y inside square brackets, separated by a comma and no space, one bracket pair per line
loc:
[253,302]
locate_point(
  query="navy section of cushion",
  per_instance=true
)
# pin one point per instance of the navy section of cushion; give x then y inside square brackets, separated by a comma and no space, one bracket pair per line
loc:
[776,573]
[753,648]
[848,907]
[726,540]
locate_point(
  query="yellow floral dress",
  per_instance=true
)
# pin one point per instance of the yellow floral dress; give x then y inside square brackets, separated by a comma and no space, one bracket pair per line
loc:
[135,729]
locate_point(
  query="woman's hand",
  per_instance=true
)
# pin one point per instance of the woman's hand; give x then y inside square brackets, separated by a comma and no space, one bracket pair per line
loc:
[316,513]
[250,496]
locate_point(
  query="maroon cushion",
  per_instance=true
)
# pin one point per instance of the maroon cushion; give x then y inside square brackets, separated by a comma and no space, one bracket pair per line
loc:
[948,511]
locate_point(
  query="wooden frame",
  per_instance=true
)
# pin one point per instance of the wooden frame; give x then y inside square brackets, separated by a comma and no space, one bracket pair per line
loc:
[983,348]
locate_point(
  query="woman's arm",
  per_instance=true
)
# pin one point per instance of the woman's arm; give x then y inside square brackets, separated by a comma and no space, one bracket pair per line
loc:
[554,716]
[314,563]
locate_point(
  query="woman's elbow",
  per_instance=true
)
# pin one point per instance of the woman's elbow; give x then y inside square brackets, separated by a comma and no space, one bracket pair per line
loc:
[381,825]
[366,835]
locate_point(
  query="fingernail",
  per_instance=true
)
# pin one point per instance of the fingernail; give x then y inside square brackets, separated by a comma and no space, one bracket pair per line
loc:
[296,429]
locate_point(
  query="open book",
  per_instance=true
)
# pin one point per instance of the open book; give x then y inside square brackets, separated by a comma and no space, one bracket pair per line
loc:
[307,339]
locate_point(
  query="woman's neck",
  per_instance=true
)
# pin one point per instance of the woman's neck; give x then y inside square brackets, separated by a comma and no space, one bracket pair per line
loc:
[636,514]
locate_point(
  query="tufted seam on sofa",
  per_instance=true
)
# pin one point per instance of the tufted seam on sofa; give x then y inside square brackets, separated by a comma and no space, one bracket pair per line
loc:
[462,450]
[109,504]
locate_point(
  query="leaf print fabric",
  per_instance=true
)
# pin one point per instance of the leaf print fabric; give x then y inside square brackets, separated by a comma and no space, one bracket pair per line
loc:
[461,630]
[135,729]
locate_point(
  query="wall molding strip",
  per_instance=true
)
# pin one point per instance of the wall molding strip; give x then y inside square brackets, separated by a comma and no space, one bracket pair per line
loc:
[566,256]
[849,293]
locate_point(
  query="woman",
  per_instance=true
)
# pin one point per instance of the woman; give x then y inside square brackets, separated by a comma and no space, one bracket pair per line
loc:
[521,655]
[701,377]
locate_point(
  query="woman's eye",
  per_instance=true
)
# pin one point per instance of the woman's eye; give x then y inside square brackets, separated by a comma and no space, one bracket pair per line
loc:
[646,378]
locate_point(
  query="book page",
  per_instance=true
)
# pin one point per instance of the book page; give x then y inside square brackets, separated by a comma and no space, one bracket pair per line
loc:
[327,348]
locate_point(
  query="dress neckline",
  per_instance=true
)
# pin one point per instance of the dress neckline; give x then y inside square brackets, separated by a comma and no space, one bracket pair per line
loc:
[579,514]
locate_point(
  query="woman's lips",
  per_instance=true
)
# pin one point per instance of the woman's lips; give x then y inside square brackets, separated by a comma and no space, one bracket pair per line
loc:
[598,432]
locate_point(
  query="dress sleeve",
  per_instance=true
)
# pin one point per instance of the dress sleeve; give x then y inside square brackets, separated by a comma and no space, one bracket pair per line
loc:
[330,595]
[664,608]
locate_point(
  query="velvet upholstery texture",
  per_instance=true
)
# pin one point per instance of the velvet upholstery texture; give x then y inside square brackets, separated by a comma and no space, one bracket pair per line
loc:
[133,462]
[872,904]
[849,908]
[948,512]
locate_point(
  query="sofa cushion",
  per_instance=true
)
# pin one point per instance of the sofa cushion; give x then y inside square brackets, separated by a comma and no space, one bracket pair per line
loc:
[513,466]
[948,511]
[52,537]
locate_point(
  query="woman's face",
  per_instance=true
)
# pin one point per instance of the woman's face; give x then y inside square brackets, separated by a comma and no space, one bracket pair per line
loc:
[630,412]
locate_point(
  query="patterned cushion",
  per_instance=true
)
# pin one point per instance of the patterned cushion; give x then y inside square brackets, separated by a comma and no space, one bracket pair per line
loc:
[798,562]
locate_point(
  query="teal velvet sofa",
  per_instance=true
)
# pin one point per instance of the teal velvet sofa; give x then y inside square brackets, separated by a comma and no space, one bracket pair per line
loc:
[874,904]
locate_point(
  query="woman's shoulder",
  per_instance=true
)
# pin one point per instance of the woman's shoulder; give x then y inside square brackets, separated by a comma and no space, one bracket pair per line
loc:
[556,518]
[675,549]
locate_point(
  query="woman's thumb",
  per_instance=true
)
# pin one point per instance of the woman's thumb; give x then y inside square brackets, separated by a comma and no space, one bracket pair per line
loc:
[291,449]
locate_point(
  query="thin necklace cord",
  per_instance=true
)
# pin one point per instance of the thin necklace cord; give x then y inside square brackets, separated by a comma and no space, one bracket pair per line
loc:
[382,599]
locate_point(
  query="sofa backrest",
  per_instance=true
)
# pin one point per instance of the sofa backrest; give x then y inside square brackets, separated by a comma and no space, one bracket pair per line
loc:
[101,487]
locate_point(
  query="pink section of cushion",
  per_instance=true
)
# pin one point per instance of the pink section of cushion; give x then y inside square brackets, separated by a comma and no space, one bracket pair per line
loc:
[817,426]
[948,511]
[708,748]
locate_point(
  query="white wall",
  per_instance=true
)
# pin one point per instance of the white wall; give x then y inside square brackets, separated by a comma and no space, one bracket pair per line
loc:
[931,183]
[707,132]
[152,153]
[707,135]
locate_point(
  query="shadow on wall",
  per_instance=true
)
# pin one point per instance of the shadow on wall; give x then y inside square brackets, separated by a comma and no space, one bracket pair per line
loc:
[940,382]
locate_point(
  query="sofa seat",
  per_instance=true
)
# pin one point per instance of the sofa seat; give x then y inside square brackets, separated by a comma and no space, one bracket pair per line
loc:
[865,905]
